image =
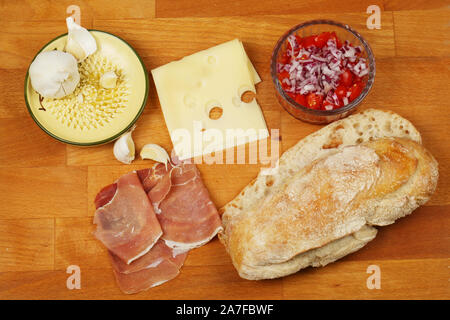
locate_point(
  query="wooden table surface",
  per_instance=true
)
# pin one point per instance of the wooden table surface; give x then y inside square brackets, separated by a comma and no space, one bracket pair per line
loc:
[47,188]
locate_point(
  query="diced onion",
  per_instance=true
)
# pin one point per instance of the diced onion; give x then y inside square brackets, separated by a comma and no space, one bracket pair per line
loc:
[318,70]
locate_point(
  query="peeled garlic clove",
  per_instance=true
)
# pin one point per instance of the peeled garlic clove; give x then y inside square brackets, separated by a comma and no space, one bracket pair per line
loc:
[80,41]
[124,148]
[108,80]
[154,152]
[54,74]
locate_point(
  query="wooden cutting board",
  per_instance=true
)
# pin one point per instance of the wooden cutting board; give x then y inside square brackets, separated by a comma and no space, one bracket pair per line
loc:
[47,188]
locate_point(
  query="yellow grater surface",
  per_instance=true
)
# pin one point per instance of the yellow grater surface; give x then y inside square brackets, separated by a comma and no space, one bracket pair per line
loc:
[93,114]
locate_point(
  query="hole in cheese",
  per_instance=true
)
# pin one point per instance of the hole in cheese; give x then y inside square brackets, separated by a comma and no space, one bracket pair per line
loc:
[215,113]
[247,96]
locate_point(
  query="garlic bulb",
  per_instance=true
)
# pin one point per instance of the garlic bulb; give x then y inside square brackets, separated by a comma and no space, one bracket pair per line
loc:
[108,80]
[54,74]
[124,148]
[155,152]
[80,42]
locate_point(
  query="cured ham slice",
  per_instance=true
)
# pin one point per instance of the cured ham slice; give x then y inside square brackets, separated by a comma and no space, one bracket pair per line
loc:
[151,176]
[105,195]
[182,203]
[150,277]
[154,268]
[153,258]
[126,222]
[150,219]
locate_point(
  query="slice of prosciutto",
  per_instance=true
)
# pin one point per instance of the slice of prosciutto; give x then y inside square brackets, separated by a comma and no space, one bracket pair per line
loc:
[126,222]
[153,275]
[151,259]
[148,249]
[182,204]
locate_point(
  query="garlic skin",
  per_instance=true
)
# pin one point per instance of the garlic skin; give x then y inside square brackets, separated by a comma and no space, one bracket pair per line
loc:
[155,152]
[54,74]
[124,149]
[80,42]
[108,80]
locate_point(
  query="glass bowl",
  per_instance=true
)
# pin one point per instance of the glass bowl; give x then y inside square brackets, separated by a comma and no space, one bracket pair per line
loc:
[344,32]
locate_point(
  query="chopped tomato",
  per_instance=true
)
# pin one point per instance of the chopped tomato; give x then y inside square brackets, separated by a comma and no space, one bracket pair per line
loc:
[288,45]
[300,99]
[299,39]
[308,41]
[285,58]
[304,57]
[357,79]
[346,78]
[314,101]
[321,40]
[341,92]
[355,90]
[286,87]
[335,37]
[283,75]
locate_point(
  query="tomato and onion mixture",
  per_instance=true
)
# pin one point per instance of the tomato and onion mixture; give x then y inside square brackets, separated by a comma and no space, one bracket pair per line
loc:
[320,72]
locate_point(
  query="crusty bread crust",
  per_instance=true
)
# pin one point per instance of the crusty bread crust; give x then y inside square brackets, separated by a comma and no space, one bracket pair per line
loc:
[318,257]
[357,129]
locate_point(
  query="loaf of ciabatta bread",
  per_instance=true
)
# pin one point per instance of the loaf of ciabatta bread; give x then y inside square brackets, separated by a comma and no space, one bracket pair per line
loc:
[328,192]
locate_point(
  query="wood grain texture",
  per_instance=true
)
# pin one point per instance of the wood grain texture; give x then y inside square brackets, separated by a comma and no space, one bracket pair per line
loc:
[209,282]
[421,278]
[25,144]
[47,10]
[184,36]
[401,5]
[26,17]
[47,188]
[422,33]
[214,8]
[411,237]
[42,192]
[75,245]
[418,279]
[26,244]
[9,108]
[18,51]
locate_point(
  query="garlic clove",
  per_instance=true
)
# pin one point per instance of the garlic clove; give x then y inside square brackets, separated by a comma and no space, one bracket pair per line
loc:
[108,80]
[54,74]
[155,152]
[80,42]
[124,149]
[75,49]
